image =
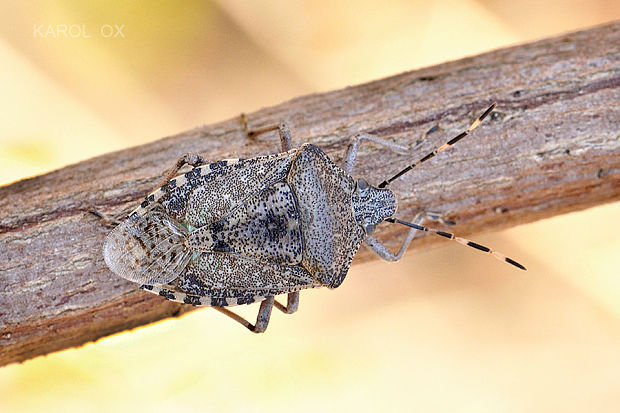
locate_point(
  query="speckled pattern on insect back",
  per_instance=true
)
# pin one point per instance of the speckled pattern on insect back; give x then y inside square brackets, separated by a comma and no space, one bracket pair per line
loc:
[237,231]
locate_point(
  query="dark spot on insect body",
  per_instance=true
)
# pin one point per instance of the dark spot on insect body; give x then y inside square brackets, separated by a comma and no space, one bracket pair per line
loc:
[147,287]
[215,166]
[151,198]
[144,204]
[245,299]
[221,246]
[218,302]
[217,226]
[192,299]
[140,241]
[193,286]
[167,294]
[175,206]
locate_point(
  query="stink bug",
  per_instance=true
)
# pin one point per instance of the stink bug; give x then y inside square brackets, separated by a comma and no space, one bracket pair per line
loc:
[241,231]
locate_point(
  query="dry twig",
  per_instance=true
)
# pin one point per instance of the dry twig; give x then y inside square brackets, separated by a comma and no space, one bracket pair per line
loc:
[553,146]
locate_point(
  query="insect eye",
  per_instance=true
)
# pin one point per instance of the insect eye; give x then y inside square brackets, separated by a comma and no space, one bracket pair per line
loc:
[369,229]
[362,184]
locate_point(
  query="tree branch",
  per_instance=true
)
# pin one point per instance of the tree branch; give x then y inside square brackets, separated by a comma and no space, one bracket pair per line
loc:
[552,146]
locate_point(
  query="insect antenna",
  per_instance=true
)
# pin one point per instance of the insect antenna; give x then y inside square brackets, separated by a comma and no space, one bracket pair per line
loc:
[435,151]
[460,240]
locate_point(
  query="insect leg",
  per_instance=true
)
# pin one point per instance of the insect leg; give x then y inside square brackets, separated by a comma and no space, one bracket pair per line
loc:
[285,137]
[283,132]
[264,313]
[187,159]
[292,303]
[262,319]
[109,221]
[351,154]
[381,250]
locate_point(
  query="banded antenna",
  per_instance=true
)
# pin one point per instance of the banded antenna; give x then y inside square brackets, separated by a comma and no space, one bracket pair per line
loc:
[435,151]
[449,235]
[460,240]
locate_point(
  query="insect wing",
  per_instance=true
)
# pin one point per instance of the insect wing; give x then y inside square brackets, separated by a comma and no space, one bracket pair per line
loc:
[225,279]
[147,249]
[208,193]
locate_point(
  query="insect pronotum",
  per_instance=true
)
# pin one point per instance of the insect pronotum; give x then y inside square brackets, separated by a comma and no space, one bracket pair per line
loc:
[239,231]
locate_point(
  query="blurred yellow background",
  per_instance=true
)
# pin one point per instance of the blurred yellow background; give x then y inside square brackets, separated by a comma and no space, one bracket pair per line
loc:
[443,330]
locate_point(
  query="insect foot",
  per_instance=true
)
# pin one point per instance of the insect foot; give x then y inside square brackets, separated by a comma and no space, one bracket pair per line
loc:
[242,231]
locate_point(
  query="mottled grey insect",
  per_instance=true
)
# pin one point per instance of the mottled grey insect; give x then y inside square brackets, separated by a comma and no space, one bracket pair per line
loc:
[239,231]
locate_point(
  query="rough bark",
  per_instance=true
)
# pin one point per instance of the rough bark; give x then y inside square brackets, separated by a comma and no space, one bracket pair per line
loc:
[552,146]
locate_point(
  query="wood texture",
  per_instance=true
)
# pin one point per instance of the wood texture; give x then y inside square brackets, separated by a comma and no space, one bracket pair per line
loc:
[552,146]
